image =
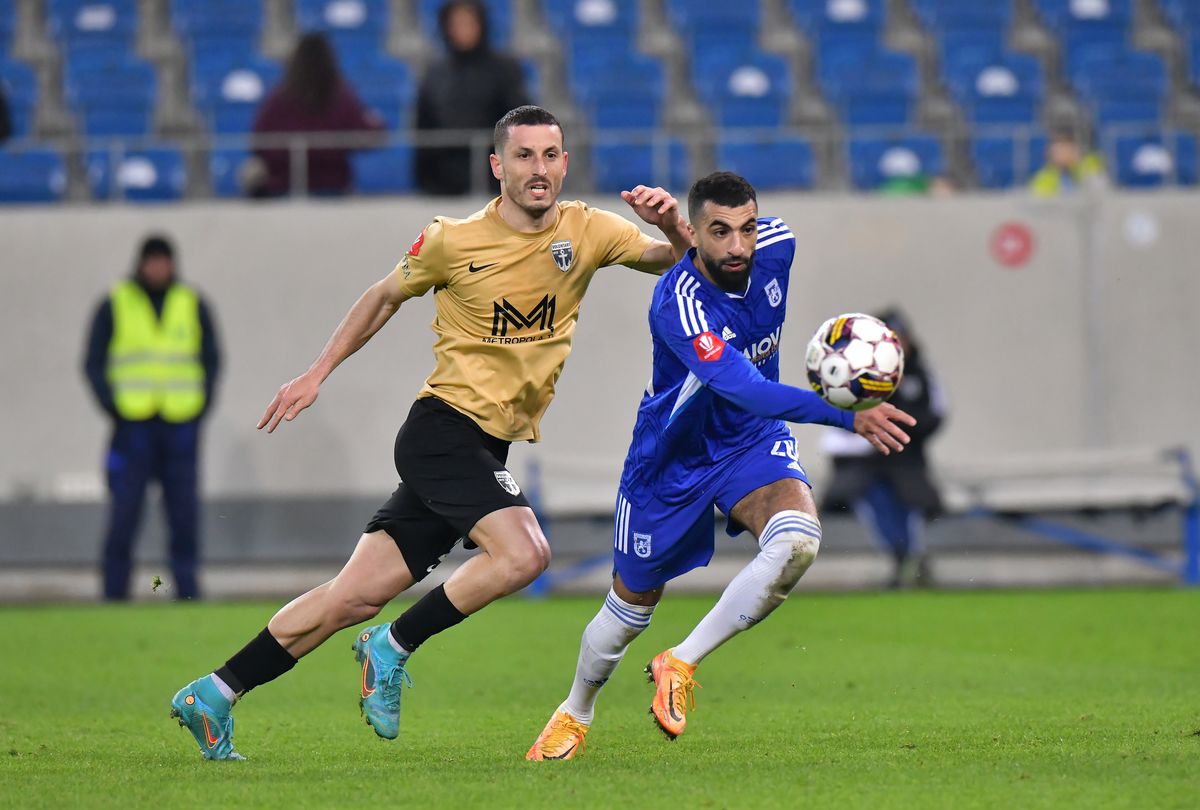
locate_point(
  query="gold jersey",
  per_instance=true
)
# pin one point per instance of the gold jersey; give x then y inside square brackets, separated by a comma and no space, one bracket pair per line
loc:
[507,304]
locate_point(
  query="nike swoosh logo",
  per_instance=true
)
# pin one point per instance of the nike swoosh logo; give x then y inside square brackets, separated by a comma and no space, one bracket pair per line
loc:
[212,741]
[472,268]
[367,691]
[566,753]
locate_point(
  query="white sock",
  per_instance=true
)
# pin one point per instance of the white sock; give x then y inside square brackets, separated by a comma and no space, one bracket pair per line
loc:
[605,640]
[224,689]
[396,645]
[788,546]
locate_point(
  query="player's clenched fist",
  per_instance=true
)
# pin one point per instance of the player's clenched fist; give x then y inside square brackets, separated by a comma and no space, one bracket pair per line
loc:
[290,399]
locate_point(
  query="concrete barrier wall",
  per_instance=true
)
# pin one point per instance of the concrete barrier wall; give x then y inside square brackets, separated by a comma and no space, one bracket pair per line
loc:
[1015,348]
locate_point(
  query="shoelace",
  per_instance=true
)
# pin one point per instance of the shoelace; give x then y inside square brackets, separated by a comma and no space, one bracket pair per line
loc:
[683,690]
[392,680]
[565,730]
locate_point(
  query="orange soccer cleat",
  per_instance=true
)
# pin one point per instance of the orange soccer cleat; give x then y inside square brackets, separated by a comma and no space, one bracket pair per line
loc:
[673,696]
[562,738]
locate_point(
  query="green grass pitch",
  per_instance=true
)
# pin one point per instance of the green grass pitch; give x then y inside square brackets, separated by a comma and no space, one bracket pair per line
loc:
[958,700]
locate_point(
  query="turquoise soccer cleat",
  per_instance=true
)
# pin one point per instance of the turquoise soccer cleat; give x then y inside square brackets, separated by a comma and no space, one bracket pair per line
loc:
[382,673]
[204,711]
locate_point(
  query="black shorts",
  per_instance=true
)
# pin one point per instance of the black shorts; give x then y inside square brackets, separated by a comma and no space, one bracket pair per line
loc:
[452,474]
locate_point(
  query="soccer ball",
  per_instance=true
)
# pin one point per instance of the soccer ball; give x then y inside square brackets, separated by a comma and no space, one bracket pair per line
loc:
[854,361]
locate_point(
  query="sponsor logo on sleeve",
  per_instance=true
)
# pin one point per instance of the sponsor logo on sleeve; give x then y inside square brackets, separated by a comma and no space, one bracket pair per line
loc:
[415,250]
[708,347]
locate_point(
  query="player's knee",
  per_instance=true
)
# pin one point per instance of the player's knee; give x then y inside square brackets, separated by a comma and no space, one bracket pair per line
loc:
[790,543]
[524,563]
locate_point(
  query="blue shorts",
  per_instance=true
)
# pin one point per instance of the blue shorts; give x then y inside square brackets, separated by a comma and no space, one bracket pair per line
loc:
[656,541]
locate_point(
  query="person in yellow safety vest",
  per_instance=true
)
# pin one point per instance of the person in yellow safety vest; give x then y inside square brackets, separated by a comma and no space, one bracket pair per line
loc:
[152,361]
[1067,169]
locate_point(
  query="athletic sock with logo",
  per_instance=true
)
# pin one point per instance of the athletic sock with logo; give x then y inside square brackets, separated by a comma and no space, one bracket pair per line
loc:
[605,640]
[789,545]
[262,660]
[433,613]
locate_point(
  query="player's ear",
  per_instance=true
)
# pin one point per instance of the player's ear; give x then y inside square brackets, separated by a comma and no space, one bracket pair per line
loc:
[497,169]
[565,156]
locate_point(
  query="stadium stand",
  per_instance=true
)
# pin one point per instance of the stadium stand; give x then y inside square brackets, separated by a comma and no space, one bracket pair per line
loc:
[965,89]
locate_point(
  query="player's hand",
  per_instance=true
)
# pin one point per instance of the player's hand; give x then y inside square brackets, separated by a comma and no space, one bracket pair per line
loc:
[291,398]
[881,427]
[655,206]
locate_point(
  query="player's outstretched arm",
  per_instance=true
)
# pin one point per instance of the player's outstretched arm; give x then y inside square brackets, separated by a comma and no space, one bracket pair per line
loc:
[368,315]
[657,207]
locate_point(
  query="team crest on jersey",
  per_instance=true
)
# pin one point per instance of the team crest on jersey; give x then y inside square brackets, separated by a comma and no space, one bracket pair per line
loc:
[774,292]
[563,254]
[641,545]
[504,479]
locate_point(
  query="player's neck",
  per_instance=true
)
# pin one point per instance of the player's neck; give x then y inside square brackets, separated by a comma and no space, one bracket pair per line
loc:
[521,220]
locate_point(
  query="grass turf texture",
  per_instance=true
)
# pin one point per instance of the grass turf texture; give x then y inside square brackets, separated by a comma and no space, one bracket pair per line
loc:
[1029,699]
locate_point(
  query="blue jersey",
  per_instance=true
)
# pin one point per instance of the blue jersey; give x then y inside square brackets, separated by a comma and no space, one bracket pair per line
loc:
[714,390]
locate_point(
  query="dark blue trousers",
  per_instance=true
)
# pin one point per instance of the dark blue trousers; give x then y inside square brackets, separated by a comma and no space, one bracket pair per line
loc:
[142,452]
[890,518]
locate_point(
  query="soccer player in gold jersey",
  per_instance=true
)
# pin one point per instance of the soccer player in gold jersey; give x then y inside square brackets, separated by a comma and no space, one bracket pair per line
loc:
[507,282]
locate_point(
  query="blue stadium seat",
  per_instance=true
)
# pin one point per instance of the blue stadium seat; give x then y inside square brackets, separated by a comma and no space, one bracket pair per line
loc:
[1007,88]
[1154,160]
[869,85]
[224,166]
[748,90]
[1121,86]
[621,165]
[1062,14]
[82,24]
[499,20]
[576,20]
[20,88]
[229,92]
[141,175]
[112,92]
[776,162]
[613,108]
[208,25]
[1003,161]
[383,83]
[36,176]
[874,161]
[8,25]
[352,26]
[1184,14]
[383,171]
[608,72]
[838,15]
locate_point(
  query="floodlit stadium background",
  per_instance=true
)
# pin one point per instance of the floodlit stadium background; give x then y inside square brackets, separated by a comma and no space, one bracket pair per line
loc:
[1062,330]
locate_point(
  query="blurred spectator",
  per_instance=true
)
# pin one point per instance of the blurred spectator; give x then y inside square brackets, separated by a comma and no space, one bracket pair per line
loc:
[312,97]
[5,119]
[152,362]
[893,494]
[1067,168]
[918,185]
[470,88]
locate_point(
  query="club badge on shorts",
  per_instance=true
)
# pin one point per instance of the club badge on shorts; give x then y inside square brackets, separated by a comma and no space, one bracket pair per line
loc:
[505,479]
[563,254]
[641,545]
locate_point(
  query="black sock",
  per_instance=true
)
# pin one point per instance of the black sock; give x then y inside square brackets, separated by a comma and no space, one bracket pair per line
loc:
[433,613]
[263,659]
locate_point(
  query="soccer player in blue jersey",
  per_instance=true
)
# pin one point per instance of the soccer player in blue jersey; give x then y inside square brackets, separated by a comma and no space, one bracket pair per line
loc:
[710,430]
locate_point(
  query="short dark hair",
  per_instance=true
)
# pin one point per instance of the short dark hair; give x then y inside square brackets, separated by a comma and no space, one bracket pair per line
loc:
[528,115]
[156,245]
[722,188]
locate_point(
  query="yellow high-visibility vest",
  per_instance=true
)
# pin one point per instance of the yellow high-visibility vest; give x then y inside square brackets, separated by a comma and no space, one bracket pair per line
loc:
[154,363]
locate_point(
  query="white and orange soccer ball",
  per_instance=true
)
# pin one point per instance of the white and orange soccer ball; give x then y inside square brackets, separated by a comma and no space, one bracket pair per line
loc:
[854,361]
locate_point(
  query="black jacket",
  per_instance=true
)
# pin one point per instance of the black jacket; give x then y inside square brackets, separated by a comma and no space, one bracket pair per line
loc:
[464,90]
[95,363]
[907,471]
